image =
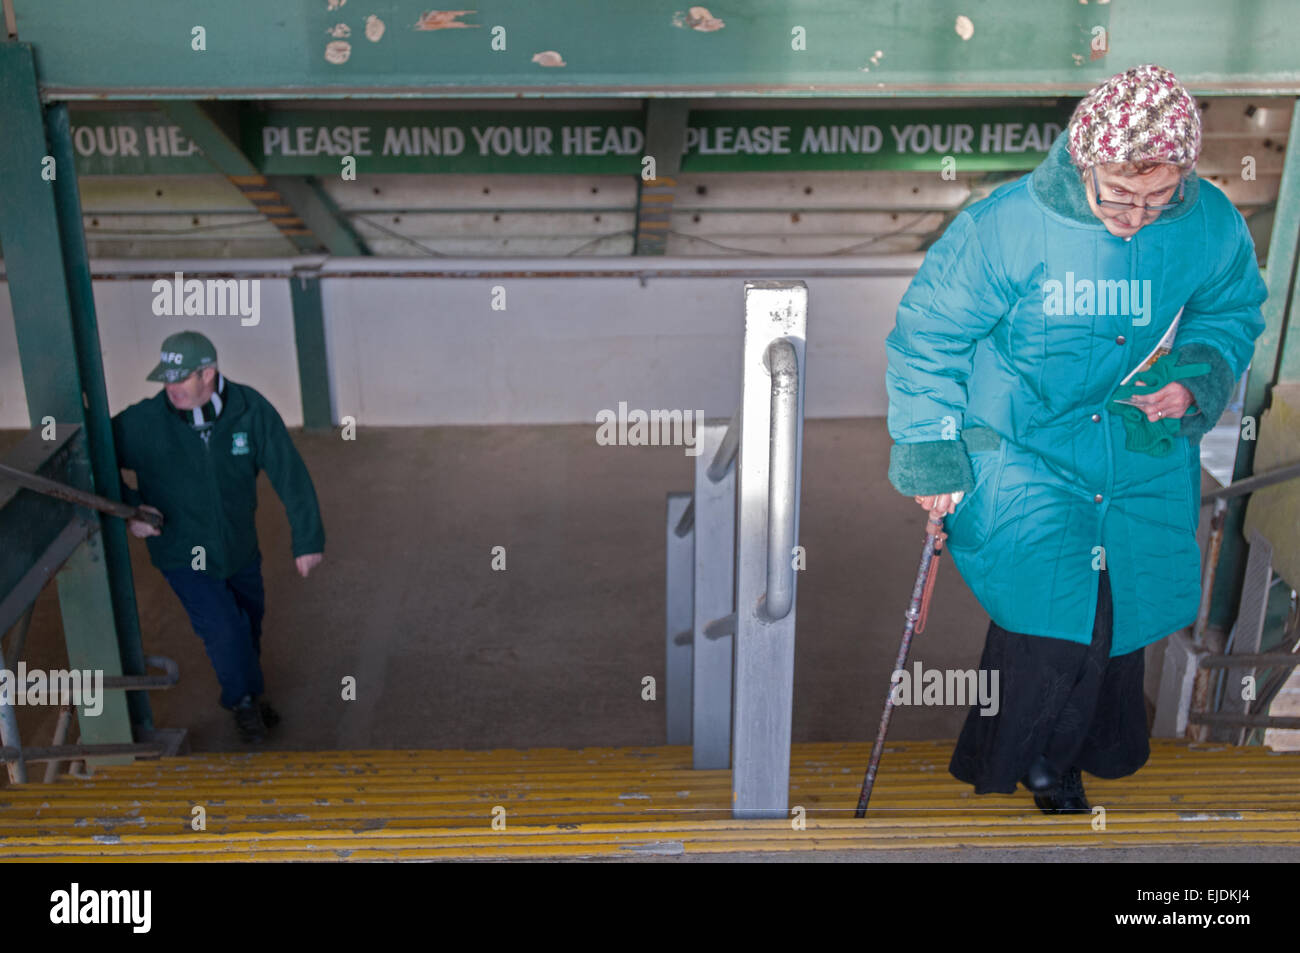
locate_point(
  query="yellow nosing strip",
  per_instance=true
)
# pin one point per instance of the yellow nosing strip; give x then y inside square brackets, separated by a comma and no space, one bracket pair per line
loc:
[611,802]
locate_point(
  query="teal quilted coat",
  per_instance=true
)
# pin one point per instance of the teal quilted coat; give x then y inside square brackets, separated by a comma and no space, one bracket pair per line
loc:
[1021,321]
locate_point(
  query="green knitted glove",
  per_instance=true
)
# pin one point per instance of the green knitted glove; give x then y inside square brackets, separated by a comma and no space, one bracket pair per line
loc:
[1211,391]
[1155,437]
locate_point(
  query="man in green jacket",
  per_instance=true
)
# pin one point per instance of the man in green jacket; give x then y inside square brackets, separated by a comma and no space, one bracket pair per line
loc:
[196,448]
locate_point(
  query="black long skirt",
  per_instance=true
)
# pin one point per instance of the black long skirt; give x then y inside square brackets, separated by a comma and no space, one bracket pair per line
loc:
[1068,701]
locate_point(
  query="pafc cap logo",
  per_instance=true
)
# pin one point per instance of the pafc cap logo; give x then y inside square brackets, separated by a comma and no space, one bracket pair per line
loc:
[239,443]
[171,357]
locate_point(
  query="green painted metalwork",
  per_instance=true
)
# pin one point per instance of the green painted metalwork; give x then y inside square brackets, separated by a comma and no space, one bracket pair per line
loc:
[309,337]
[57,337]
[105,476]
[33,256]
[133,142]
[319,213]
[298,142]
[30,523]
[978,139]
[213,130]
[141,49]
[294,142]
[84,604]
[1270,360]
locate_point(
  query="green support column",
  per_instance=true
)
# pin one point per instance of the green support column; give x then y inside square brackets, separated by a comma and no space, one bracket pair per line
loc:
[105,474]
[309,338]
[1281,277]
[53,342]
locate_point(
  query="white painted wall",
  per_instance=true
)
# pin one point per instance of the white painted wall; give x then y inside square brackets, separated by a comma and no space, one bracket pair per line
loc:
[131,336]
[422,351]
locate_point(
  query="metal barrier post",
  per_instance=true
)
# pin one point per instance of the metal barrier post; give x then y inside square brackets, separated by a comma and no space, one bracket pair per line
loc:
[679,599]
[715,560]
[768,469]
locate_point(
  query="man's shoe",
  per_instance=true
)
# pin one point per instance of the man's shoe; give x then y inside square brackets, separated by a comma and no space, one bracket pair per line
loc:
[270,717]
[1067,798]
[248,718]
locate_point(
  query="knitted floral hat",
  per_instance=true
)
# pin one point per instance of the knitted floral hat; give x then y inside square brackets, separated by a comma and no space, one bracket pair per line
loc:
[1141,114]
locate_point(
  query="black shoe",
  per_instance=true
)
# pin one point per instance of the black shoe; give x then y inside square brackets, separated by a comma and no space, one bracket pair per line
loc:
[1067,798]
[270,717]
[1041,776]
[248,718]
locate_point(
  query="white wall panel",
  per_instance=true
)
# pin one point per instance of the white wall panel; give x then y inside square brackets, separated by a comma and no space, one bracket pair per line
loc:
[424,351]
[130,334]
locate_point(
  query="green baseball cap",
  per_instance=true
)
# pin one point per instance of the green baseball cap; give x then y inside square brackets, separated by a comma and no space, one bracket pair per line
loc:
[182,354]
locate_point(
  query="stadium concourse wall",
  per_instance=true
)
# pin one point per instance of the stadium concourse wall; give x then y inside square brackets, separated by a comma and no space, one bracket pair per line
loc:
[500,341]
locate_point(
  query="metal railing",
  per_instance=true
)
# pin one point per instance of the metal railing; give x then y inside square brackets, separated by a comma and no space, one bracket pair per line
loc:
[16,757]
[1191,661]
[731,566]
[40,537]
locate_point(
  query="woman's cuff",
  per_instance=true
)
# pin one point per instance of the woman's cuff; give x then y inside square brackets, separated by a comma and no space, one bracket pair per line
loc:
[931,467]
[1210,392]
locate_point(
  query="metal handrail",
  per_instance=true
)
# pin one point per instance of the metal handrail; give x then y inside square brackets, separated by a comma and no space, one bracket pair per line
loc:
[722,627]
[687,522]
[726,450]
[1265,660]
[147,682]
[82,752]
[1285,722]
[782,464]
[1252,483]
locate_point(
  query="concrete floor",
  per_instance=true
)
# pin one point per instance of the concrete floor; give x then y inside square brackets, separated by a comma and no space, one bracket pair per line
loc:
[448,653]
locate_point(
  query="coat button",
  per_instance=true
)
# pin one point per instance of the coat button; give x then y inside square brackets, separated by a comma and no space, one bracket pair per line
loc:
[1097,498]
[1120,339]
[1096,418]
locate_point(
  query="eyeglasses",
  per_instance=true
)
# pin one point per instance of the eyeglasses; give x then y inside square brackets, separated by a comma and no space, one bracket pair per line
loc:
[1107,203]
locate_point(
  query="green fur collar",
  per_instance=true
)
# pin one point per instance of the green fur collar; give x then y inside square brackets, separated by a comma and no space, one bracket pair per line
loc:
[1057,185]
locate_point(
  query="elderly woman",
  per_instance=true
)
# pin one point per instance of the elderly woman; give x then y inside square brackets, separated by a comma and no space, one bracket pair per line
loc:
[1071,516]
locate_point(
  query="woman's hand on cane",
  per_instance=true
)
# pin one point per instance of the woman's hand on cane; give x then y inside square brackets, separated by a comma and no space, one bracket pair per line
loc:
[940,504]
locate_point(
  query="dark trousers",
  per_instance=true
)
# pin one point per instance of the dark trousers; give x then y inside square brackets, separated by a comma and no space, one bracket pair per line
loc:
[227,615]
[1072,703]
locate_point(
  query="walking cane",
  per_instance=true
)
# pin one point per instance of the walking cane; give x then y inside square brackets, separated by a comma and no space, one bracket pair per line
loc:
[916,612]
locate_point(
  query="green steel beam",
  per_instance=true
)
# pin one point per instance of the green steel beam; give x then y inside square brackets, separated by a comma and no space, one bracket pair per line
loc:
[319,214]
[249,49]
[58,350]
[309,338]
[1269,364]
[213,129]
